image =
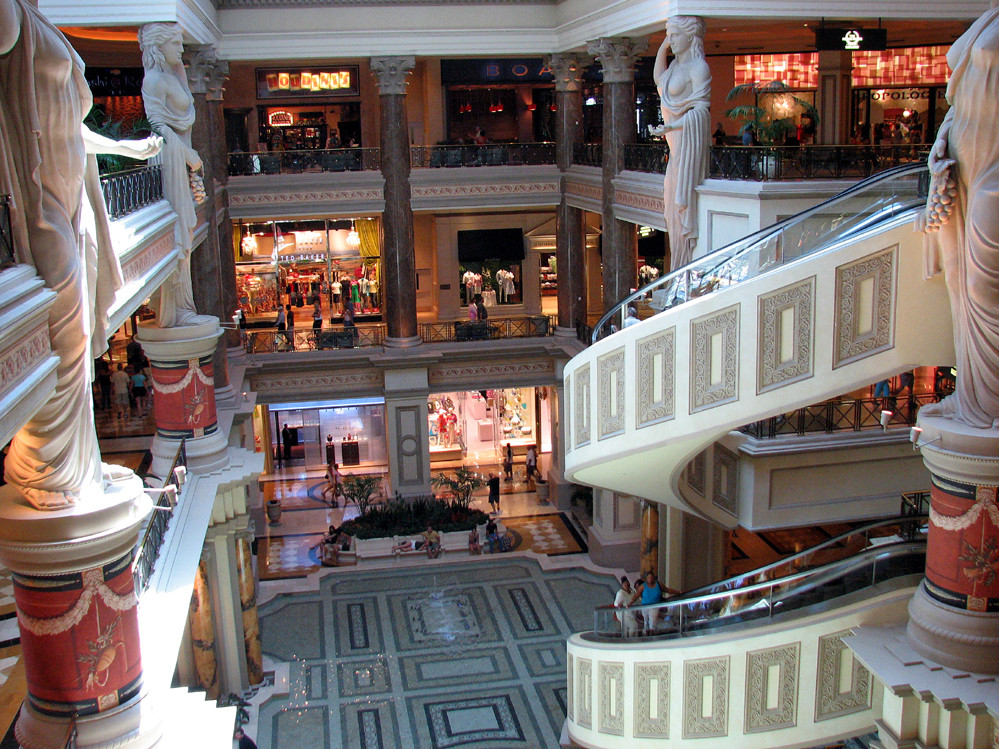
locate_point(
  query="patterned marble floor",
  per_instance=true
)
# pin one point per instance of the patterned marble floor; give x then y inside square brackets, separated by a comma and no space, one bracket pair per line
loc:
[431,656]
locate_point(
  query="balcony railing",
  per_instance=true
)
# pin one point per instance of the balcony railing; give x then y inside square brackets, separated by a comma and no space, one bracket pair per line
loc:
[507,154]
[646,157]
[763,163]
[841,415]
[132,189]
[148,549]
[297,162]
[588,154]
[6,234]
[272,341]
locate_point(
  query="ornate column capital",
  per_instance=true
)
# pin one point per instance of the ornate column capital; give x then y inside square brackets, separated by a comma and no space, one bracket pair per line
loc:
[206,73]
[567,69]
[617,57]
[391,73]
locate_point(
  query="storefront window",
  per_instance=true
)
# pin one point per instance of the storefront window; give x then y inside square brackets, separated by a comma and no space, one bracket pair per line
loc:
[335,262]
[489,265]
[479,424]
[886,116]
[349,432]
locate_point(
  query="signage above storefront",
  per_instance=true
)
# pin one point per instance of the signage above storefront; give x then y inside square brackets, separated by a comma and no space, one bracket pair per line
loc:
[114,81]
[514,70]
[846,40]
[273,83]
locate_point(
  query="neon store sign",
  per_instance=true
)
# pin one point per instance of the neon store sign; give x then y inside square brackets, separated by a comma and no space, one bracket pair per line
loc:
[296,82]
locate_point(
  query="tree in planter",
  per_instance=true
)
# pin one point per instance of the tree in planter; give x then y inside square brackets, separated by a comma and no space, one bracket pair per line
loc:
[462,484]
[359,490]
[769,128]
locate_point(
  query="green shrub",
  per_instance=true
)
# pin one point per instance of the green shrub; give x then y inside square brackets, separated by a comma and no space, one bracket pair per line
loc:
[400,518]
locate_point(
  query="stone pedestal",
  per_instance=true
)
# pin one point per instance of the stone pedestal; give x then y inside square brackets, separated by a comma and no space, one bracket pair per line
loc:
[181,359]
[954,616]
[77,614]
[406,392]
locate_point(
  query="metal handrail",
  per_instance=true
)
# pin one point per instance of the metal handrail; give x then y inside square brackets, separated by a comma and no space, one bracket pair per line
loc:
[148,548]
[695,608]
[127,191]
[295,162]
[706,274]
[836,415]
[491,154]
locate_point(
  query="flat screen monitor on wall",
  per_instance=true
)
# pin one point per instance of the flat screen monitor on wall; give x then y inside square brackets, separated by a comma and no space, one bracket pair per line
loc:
[479,245]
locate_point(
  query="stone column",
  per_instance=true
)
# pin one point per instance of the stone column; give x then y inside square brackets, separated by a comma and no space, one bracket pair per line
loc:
[406,393]
[213,264]
[182,362]
[76,605]
[570,239]
[399,261]
[619,241]
[202,623]
[954,615]
[832,100]
[248,604]
[650,537]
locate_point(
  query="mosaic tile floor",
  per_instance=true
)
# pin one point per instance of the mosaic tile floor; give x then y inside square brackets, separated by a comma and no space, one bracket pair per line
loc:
[430,657]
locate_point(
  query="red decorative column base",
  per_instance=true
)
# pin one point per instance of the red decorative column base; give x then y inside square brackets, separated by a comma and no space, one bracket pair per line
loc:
[954,616]
[184,395]
[77,613]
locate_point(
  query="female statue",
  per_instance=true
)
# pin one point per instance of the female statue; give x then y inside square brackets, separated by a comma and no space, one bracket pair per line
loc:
[963,213]
[60,227]
[685,96]
[170,107]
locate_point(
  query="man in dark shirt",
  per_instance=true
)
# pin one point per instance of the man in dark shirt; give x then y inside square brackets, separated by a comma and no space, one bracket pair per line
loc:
[245,742]
[286,442]
[494,491]
[491,535]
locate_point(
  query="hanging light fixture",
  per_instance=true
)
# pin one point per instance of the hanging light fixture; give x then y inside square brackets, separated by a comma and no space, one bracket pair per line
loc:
[353,238]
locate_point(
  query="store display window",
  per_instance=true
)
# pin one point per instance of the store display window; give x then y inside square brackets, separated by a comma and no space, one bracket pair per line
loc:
[478,424]
[490,265]
[351,432]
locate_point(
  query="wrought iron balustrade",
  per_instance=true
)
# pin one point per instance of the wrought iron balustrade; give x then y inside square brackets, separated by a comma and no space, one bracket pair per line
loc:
[272,340]
[588,154]
[487,330]
[148,549]
[841,415]
[764,163]
[646,157]
[494,154]
[132,189]
[297,162]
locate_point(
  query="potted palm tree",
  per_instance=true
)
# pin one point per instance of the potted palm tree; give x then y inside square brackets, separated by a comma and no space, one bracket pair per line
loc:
[461,484]
[772,113]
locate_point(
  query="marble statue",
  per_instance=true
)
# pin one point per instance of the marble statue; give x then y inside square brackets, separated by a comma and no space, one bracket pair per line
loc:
[685,98]
[60,227]
[170,107]
[962,221]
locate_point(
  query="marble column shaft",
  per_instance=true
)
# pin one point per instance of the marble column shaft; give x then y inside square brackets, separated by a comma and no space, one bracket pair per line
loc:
[399,254]
[650,538]
[214,287]
[202,622]
[248,604]
[619,240]
[570,236]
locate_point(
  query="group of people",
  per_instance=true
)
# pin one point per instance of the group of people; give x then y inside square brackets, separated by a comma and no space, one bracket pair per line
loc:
[332,543]
[646,590]
[124,388]
[430,543]
[530,467]
[477,311]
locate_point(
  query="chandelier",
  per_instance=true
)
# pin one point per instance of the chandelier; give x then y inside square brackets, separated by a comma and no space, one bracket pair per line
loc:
[353,238]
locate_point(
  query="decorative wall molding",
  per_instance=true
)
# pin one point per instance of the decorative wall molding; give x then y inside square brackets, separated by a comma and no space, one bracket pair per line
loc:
[650,410]
[611,698]
[696,472]
[647,726]
[584,190]
[290,382]
[784,713]
[581,406]
[878,271]
[27,353]
[772,372]
[269,197]
[610,375]
[464,374]
[584,707]
[136,264]
[492,189]
[725,486]
[704,393]
[829,701]
[695,723]
[643,202]
[410,424]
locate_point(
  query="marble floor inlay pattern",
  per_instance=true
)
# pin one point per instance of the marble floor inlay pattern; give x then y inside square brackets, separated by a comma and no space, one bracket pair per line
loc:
[465,655]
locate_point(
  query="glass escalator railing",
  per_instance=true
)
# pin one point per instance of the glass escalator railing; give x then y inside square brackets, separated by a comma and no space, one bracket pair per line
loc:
[852,561]
[863,206]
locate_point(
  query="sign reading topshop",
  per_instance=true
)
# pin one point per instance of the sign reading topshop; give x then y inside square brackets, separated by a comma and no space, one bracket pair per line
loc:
[301,82]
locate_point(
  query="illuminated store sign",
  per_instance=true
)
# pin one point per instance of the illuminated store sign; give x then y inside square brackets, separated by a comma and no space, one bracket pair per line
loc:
[851,39]
[299,82]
